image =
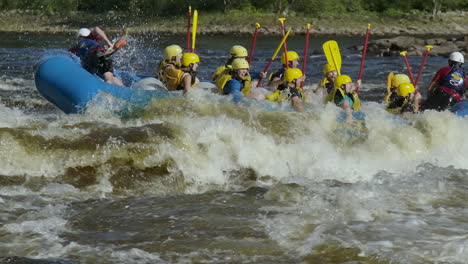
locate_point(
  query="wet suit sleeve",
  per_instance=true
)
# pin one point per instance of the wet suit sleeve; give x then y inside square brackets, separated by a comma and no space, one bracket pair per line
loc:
[340,99]
[234,87]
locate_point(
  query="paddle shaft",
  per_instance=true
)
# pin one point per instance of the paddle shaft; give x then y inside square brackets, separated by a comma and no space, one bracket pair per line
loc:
[285,47]
[389,86]
[254,40]
[338,70]
[274,56]
[194,31]
[428,49]
[189,20]
[408,67]
[306,51]
[364,51]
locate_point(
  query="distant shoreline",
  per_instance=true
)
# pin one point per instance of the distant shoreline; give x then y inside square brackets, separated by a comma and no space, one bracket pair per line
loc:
[343,25]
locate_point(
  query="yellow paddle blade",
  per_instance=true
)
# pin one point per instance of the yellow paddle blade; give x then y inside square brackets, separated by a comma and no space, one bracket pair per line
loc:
[333,55]
[281,44]
[194,30]
[389,85]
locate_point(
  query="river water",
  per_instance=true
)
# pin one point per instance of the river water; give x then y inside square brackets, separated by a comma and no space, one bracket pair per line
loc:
[200,180]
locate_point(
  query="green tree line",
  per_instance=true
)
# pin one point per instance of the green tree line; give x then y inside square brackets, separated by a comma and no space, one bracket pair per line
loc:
[179,7]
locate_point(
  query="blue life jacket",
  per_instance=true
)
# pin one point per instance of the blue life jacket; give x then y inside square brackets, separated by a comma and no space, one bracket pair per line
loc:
[455,80]
[85,46]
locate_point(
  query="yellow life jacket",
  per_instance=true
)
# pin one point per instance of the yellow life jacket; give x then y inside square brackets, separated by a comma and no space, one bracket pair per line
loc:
[389,95]
[220,71]
[322,83]
[353,95]
[223,79]
[162,67]
[160,71]
[325,84]
[281,95]
[397,110]
[174,79]
[274,96]
[394,111]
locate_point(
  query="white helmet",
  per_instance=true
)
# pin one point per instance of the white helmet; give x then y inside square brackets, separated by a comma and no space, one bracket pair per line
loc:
[83,32]
[457,57]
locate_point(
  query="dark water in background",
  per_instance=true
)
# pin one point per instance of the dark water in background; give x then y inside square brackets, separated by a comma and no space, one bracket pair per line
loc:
[199,180]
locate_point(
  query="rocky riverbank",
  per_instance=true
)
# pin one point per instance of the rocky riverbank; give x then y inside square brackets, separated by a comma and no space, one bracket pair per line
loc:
[417,46]
[389,35]
[339,24]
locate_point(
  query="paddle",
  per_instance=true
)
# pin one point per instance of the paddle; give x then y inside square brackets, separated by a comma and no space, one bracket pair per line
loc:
[285,47]
[120,43]
[428,49]
[333,55]
[283,31]
[306,48]
[254,40]
[274,56]
[389,86]
[194,32]
[189,20]
[410,73]
[306,51]
[364,50]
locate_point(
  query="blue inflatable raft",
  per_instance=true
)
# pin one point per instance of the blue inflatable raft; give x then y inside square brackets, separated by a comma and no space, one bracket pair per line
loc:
[61,80]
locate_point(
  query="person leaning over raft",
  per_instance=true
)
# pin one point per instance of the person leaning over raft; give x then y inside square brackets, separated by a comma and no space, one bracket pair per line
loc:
[172,58]
[345,96]
[94,57]
[276,79]
[406,101]
[291,90]
[238,81]
[186,77]
[448,85]
[237,51]
[328,82]
[395,81]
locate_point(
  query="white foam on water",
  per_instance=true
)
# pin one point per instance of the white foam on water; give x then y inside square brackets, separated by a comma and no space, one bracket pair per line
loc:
[14,117]
[407,218]
[39,228]
[14,84]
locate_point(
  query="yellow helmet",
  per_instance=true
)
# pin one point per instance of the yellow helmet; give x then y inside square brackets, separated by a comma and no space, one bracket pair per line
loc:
[405,88]
[342,79]
[240,63]
[328,68]
[399,79]
[238,51]
[292,55]
[172,51]
[189,58]
[292,74]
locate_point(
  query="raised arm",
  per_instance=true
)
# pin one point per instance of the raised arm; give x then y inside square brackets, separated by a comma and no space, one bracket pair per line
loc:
[98,31]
